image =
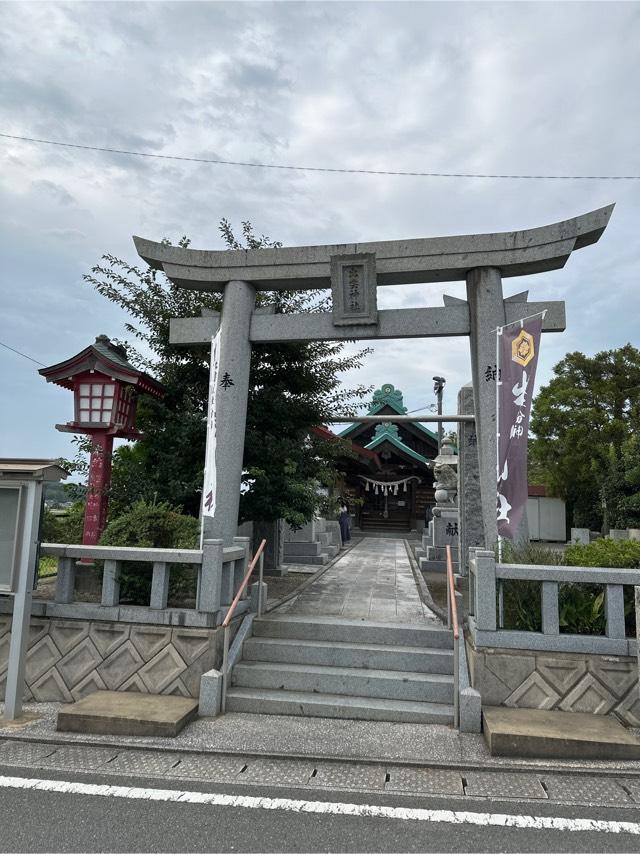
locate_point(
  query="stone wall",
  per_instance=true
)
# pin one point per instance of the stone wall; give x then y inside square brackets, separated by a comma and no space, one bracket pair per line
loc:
[68,659]
[567,682]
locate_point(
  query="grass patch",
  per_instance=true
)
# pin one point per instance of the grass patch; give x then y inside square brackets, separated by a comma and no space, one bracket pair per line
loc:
[48,566]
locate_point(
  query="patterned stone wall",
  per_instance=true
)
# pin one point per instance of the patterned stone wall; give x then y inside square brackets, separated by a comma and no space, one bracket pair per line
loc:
[68,659]
[567,682]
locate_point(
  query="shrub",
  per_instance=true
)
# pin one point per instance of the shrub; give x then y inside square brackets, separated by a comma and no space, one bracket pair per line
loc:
[581,606]
[531,553]
[160,526]
[63,529]
[623,554]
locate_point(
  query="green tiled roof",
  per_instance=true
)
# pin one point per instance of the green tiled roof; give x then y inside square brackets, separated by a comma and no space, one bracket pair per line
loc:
[388,395]
[388,432]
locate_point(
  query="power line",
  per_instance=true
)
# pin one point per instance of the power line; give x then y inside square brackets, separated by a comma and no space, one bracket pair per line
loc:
[2,344]
[429,406]
[343,171]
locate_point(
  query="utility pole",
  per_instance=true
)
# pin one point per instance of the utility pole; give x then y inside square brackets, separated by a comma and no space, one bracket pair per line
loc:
[438,386]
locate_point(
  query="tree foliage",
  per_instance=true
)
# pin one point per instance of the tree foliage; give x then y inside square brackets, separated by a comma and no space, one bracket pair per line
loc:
[293,387]
[584,448]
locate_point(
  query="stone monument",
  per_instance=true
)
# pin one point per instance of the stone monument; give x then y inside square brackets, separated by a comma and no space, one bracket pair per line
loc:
[444,528]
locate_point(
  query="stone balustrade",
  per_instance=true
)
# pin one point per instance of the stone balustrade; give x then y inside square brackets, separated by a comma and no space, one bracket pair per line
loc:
[486,587]
[551,669]
[220,573]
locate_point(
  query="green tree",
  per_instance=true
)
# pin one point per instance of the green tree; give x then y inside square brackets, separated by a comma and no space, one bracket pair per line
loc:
[293,387]
[621,489]
[583,422]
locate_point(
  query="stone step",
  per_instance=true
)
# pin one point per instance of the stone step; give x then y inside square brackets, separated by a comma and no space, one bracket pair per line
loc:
[440,553]
[434,565]
[307,560]
[409,659]
[266,702]
[306,548]
[347,681]
[353,631]
[540,734]
[128,713]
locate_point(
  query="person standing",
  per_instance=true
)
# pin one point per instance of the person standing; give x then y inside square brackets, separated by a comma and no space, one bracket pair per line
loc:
[344,518]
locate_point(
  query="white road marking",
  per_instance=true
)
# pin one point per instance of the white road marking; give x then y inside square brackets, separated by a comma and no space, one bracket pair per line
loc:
[484,819]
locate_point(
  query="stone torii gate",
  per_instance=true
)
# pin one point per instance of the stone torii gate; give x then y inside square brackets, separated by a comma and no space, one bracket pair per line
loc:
[354,271]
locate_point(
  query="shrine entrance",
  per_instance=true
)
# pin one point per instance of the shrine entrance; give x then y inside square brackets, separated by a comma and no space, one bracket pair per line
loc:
[387,511]
[396,495]
[354,272]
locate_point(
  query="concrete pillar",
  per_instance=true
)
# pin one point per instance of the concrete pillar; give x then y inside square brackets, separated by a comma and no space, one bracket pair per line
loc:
[27,546]
[486,312]
[231,408]
[469,502]
[274,533]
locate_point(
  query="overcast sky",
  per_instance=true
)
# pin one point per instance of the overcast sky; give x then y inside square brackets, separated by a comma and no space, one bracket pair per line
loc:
[549,88]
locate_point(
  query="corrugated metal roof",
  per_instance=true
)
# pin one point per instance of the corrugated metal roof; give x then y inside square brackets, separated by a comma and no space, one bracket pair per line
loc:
[33,467]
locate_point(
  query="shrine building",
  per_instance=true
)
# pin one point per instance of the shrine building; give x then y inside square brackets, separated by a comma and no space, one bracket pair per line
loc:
[394,492]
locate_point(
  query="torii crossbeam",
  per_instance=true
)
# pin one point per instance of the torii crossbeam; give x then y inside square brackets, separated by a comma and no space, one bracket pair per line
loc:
[354,271]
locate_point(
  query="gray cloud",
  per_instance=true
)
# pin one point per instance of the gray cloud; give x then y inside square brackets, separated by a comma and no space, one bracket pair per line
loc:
[521,87]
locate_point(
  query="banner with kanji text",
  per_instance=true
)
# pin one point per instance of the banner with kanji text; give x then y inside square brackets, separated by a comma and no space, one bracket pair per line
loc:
[518,349]
[209,485]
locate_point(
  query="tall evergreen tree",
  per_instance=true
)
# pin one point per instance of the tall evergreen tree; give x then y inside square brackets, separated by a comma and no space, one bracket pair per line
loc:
[293,387]
[583,421]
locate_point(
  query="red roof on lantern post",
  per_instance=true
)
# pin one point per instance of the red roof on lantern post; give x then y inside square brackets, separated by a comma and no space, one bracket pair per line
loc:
[106,387]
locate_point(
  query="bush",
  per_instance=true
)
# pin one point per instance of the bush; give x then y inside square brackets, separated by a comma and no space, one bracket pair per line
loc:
[158,526]
[531,553]
[622,554]
[581,606]
[63,529]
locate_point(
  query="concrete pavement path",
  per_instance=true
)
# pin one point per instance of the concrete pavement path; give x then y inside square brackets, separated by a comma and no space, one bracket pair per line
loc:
[373,581]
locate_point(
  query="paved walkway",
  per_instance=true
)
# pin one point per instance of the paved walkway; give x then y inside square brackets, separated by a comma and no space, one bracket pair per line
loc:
[373,581]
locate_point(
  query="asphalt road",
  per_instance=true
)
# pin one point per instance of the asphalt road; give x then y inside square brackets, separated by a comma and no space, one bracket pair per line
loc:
[35,820]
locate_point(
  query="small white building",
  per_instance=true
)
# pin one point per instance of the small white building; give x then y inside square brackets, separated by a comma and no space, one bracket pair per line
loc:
[546,516]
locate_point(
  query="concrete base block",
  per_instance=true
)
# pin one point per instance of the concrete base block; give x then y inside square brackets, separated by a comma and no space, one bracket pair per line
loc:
[128,713]
[210,693]
[470,710]
[618,534]
[434,565]
[580,535]
[254,594]
[532,733]
[277,572]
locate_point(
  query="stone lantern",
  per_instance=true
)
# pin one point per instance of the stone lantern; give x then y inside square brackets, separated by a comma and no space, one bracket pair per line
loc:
[105,392]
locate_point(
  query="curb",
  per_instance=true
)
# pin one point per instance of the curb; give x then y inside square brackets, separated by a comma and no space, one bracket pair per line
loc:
[489,765]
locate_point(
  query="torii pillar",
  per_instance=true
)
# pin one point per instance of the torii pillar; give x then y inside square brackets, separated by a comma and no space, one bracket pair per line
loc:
[354,271]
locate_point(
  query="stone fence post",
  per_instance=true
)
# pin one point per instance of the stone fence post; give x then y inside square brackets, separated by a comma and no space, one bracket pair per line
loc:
[210,579]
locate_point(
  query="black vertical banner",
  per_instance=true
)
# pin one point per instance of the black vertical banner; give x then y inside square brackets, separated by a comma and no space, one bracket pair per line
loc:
[518,348]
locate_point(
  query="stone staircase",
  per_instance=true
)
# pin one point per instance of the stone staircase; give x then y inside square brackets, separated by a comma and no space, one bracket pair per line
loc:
[335,668]
[316,545]
[316,553]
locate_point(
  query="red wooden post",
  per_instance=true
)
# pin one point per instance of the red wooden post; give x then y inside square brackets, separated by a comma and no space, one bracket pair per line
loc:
[95,515]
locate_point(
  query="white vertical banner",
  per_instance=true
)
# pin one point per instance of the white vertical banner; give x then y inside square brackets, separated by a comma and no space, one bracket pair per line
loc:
[209,484]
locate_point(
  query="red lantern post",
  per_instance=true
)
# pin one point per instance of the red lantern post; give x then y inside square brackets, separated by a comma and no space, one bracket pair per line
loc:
[106,389]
